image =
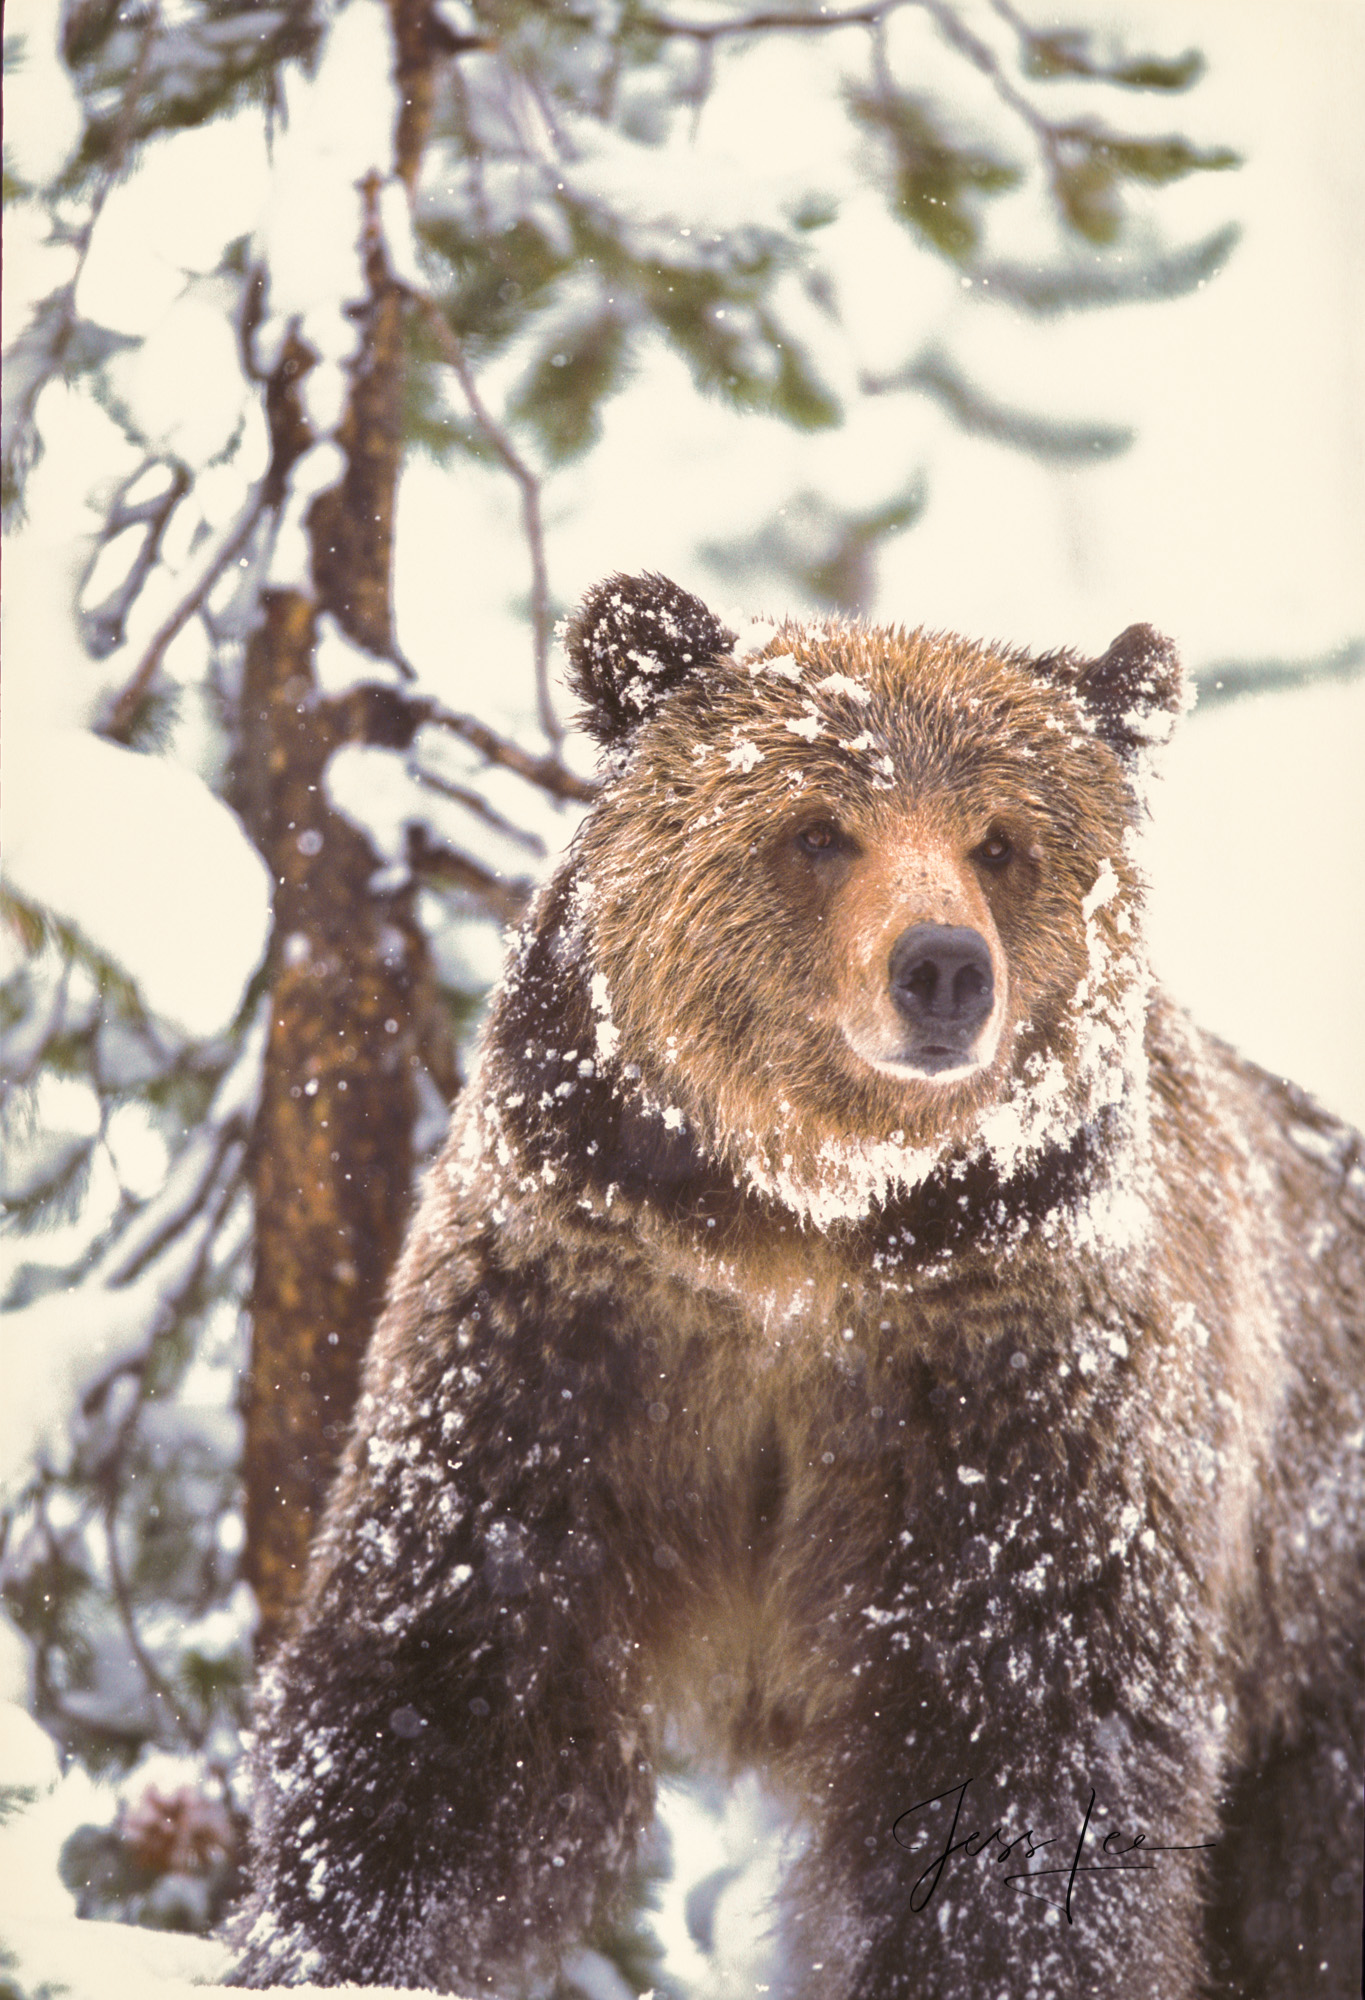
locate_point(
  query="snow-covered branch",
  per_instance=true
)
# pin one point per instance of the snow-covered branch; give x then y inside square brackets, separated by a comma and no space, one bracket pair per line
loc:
[106,1324]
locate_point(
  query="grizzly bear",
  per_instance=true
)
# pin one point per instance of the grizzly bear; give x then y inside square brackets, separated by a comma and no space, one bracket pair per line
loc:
[857,1327]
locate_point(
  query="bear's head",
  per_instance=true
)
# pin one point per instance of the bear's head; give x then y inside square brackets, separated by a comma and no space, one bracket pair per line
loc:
[860,903]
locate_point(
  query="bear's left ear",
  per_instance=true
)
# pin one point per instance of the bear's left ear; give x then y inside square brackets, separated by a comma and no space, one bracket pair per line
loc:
[631,639]
[1135,691]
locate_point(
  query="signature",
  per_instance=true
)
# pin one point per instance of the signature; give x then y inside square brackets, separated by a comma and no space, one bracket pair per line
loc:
[1122,1853]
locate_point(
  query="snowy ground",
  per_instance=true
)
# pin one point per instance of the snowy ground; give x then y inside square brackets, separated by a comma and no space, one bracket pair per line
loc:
[710,1915]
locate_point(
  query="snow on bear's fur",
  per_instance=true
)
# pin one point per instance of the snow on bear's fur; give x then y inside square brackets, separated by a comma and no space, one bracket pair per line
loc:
[858,1327]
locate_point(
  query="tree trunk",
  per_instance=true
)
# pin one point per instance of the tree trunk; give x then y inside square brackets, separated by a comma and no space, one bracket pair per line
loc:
[348,972]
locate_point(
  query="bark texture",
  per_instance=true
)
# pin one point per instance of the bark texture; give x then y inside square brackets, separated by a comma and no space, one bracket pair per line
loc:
[348,968]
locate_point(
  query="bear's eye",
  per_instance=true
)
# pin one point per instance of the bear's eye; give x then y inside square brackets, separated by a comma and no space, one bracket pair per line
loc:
[995,850]
[822,836]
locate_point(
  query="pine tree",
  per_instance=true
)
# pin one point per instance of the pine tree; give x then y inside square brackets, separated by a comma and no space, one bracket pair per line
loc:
[510,255]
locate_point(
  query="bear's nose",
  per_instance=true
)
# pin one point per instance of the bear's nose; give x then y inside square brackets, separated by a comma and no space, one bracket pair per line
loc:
[942,981]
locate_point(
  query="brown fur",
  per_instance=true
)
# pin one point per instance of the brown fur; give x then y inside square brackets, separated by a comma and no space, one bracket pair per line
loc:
[741,1385]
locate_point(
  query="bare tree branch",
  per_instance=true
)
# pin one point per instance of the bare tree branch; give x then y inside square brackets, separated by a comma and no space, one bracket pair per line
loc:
[953,29]
[983,57]
[547,772]
[769,19]
[120,715]
[112,1472]
[157,1685]
[434,860]
[1012,18]
[103,626]
[472,802]
[528,485]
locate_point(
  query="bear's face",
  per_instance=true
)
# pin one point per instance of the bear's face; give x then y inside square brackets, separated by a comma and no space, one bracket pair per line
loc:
[863,901]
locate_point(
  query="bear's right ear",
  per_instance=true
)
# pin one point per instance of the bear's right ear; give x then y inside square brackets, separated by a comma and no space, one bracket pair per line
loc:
[1136,691]
[632,638]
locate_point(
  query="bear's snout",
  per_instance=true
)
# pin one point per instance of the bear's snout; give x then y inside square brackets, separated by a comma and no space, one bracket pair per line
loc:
[942,982]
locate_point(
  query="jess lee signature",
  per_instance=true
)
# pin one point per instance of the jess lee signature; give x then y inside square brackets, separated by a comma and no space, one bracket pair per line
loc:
[1116,1853]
